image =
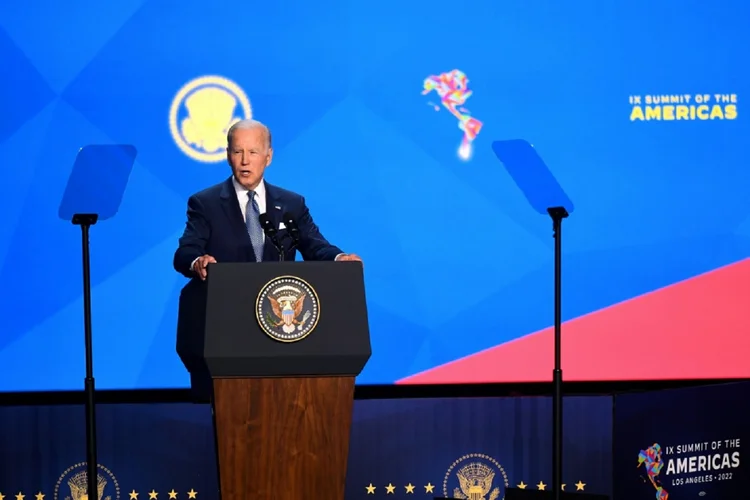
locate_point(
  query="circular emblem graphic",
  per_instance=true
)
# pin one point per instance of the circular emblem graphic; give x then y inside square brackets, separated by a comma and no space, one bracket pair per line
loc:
[73,484]
[475,477]
[287,309]
[201,114]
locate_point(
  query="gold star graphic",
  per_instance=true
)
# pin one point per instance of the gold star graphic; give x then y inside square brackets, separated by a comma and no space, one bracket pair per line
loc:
[152,495]
[172,494]
[429,488]
[2,497]
[562,486]
[133,495]
[20,496]
[39,496]
[580,485]
[541,486]
[370,489]
[409,488]
[192,493]
[390,489]
[522,485]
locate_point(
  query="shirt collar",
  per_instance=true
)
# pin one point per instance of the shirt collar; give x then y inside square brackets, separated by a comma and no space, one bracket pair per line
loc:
[242,191]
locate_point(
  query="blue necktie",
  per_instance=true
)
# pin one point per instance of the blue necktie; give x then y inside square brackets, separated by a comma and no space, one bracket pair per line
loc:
[252,212]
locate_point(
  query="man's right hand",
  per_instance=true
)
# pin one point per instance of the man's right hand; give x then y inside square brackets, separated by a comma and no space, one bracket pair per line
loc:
[199,266]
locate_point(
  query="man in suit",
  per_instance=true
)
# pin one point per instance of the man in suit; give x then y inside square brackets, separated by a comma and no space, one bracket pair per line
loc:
[222,220]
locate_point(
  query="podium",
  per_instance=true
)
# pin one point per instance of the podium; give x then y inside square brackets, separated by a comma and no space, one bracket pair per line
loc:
[276,347]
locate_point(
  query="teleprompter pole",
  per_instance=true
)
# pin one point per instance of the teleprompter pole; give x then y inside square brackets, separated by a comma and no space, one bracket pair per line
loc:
[557,214]
[86,221]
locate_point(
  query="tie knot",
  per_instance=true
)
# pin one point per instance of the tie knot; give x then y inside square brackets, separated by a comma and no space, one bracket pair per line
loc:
[251,194]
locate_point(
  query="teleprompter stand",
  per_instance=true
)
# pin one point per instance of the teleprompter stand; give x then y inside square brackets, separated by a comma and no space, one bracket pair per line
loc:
[94,191]
[546,197]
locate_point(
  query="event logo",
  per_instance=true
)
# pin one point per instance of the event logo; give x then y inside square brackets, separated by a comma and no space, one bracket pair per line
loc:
[287,309]
[692,463]
[681,107]
[201,114]
[73,484]
[650,458]
[453,90]
[474,477]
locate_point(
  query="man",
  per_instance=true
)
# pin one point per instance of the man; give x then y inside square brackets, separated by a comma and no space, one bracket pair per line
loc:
[222,221]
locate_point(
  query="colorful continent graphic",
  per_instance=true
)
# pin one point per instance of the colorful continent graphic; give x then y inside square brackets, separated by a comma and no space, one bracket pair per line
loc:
[650,458]
[453,90]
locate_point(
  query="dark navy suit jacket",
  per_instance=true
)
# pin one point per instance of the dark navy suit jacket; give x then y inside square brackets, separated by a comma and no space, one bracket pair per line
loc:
[215,227]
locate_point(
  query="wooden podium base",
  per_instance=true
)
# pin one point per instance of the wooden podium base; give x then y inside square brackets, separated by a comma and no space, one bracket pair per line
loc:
[282,438]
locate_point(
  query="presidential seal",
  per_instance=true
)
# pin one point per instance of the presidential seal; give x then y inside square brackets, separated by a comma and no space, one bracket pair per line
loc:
[201,114]
[73,484]
[475,477]
[287,309]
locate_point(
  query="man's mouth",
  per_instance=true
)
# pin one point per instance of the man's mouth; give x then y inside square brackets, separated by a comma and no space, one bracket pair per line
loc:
[244,173]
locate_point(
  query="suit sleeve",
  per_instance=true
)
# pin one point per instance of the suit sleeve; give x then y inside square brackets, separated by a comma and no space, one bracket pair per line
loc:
[192,243]
[313,246]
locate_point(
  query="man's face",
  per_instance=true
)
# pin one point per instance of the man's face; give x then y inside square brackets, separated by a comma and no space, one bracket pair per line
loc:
[249,155]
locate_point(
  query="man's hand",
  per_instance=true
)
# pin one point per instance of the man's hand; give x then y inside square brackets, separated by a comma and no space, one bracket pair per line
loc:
[199,267]
[348,257]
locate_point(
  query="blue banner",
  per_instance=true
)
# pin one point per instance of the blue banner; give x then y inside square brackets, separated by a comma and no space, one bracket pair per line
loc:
[399,449]
[440,446]
[145,452]
[681,444]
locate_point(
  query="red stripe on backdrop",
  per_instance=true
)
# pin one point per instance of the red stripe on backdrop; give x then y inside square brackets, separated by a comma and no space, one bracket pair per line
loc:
[697,328]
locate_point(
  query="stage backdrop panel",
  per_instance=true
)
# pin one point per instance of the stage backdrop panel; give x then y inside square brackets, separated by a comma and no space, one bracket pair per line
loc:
[423,446]
[682,444]
[157,448]
[408,447]
[383,115]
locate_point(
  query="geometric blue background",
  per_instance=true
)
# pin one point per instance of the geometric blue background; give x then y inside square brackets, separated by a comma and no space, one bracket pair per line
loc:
[456,260]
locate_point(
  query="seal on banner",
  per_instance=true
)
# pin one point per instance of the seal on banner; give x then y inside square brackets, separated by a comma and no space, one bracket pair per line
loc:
[287,309]
[201,114]
[75,478]
[473,478]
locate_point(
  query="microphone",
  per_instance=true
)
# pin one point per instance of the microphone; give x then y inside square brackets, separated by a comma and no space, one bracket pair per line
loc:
[292,228]
[270,230]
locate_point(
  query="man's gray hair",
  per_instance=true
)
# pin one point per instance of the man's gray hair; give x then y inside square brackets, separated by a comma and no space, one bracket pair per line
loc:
[246,125]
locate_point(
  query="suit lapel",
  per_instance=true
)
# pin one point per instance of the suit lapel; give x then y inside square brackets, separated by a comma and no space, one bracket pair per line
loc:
[231,206]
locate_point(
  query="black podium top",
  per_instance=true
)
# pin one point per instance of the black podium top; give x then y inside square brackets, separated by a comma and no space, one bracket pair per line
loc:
[275,319]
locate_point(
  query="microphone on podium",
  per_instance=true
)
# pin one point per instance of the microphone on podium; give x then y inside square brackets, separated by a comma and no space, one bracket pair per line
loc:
[270,230]
[292,228]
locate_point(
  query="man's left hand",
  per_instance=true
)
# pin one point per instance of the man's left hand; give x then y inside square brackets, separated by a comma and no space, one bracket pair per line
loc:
[348,257]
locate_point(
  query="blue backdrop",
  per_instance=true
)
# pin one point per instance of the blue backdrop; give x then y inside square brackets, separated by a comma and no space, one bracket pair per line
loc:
[395,444]
[657,200]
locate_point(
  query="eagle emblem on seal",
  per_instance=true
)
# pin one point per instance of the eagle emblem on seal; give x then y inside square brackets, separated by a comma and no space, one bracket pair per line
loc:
[288,309]
[288,312]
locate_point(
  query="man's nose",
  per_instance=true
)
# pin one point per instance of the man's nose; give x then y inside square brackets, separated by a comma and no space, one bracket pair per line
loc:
[245,158]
